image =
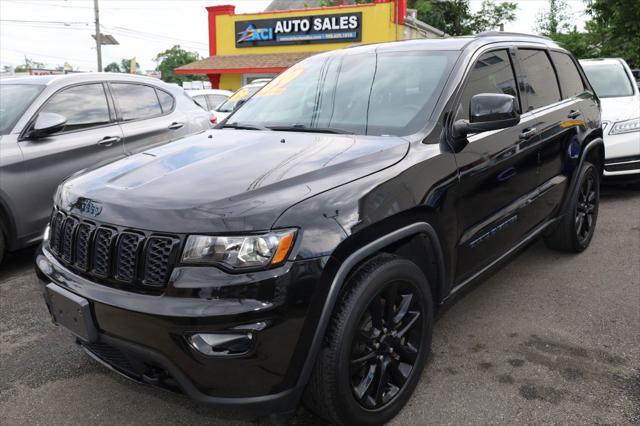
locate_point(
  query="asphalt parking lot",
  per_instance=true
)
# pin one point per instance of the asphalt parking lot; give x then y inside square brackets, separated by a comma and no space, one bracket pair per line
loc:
[548,338]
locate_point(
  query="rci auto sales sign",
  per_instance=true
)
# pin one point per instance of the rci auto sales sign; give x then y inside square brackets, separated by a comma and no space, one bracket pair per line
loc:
[346,27]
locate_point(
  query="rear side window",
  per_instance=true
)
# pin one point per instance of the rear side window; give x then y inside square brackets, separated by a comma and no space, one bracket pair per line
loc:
[136,101]
[540,83]
[201,101]
[492,73]
[83,106]
[215,100]
[166,100]
[568,74]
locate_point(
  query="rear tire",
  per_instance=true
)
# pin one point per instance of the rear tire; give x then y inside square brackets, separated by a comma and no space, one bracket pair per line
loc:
[2,245]
[575,230]
[376,345]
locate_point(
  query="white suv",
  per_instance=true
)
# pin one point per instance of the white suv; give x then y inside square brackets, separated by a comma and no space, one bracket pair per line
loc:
[614,84]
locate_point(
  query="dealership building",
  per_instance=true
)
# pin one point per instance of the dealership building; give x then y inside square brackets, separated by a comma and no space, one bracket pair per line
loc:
[245,47]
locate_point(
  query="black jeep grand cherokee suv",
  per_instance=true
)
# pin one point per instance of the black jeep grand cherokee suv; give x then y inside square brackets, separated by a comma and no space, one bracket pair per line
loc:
[301,250]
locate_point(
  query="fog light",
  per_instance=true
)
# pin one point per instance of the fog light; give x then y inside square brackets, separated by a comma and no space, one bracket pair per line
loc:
[222,344]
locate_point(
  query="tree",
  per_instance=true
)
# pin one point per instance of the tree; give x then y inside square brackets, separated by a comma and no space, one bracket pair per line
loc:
[29,64]
[125,66]
[615,28]
[112,67]
[173,58]
[455,18]
[555,19]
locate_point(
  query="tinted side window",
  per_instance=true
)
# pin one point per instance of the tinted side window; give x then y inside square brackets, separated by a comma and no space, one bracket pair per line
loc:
[166,100]
[136,101]
[83,106]
[540,83]
[570,80]
[492,73]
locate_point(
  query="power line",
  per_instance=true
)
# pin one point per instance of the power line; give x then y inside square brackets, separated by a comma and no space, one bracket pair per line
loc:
[115,28]
[46,22]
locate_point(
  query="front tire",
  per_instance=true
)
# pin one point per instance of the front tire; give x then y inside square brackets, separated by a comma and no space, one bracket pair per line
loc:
[575,230]
[376,345]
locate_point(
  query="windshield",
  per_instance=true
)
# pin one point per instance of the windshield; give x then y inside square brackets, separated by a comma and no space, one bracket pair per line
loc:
[608,80]
[14,100]
[243,93]
[384,93]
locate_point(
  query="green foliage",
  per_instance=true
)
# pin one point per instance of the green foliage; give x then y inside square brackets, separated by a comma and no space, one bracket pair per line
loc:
[615,29]
[455,18]
[577,43]
[555,19]
[112,67]
[125,66]
[29,64]
[173,58]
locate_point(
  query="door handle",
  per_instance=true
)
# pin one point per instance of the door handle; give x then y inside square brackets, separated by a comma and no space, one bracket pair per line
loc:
[526,134]
[574,114]
[109,140]
[176,126]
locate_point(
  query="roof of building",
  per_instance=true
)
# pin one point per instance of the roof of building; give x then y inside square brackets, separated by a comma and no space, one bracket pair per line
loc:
[259,61]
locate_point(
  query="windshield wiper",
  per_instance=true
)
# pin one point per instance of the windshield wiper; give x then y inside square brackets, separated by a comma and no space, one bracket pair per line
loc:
[243,126]
[303,128]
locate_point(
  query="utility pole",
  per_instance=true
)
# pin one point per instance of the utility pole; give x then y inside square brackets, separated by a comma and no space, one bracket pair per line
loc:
[98,38]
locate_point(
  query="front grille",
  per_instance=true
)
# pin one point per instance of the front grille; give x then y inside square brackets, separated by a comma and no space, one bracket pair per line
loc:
[112,356]
[115,256]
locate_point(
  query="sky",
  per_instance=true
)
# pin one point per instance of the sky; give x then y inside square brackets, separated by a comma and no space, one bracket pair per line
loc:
[143,28]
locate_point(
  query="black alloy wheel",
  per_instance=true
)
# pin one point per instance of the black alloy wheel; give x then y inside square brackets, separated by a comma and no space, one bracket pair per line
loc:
[386,345]
[586,209]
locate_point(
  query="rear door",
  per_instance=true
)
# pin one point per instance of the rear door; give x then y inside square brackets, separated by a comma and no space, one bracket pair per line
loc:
[147,115]
[553,88]
[498,171]
[90,136]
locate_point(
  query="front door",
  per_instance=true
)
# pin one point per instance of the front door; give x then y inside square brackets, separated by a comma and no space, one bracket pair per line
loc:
[498,172]
[89,137]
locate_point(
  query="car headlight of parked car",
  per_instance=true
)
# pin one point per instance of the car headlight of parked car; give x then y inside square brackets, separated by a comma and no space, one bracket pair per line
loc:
[239,252]
[626,126]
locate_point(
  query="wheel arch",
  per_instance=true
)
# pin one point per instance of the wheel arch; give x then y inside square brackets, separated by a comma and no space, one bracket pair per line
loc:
[7,224]
[358,249]
[593,152]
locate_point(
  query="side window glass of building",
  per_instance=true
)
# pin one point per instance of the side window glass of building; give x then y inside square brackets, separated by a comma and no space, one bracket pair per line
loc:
[568,74]
[166,101]
[83,106]
[540,85]
[492,73]
[136,101]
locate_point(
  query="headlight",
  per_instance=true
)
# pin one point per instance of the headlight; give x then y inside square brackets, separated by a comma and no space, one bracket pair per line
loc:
[239,252]
[627,126]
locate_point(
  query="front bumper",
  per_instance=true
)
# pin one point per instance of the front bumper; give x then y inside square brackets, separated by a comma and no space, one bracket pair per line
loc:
[145,337]
[622,154]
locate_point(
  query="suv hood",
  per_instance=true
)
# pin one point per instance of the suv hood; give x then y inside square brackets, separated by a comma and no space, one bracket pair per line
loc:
[224,180]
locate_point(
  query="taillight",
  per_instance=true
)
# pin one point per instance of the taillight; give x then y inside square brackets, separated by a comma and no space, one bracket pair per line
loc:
[213,119]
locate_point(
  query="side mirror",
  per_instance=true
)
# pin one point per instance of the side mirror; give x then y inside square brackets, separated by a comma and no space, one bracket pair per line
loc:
[488,111]
[47,123]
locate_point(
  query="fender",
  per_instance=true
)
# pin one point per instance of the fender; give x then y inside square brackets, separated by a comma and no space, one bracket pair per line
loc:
[340,277]
[597,142]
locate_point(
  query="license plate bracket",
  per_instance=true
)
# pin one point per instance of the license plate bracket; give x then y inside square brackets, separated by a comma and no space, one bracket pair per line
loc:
[71,311]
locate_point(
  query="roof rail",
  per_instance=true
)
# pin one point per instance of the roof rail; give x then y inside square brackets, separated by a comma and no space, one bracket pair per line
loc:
[510,34]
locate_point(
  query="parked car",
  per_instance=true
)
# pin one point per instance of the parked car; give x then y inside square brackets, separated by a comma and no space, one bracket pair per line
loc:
[305,246]
[613,82]
[53,126]
[237,98]
[209,99]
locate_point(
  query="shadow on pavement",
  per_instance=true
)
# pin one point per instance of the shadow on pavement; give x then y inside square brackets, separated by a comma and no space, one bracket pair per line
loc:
[17,262]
